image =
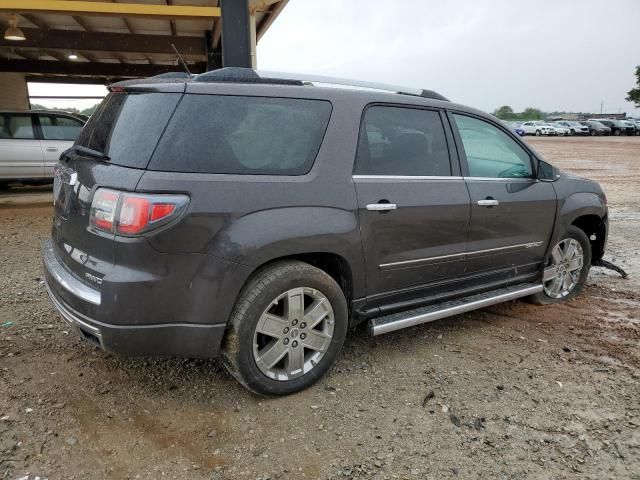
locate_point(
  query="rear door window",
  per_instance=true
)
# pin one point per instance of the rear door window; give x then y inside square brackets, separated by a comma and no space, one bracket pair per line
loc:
[243,135]
[402,141]
[18,127]
[127,127]
[59,128]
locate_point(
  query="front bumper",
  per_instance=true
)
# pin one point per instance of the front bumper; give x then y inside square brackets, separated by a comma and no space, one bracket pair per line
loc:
[172,339]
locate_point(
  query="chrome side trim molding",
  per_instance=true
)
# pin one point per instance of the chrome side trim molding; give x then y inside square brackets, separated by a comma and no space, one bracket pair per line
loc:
[65,279]
[381,325]
[406,178]
[501,180]
[458,256]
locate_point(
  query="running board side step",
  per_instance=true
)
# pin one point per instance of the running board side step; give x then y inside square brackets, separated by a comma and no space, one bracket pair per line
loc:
[397,321]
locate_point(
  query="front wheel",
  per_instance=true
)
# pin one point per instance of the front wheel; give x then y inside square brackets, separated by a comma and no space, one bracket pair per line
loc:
[616,133]
[593,133]
[538,133]
[286,329]
[567,268]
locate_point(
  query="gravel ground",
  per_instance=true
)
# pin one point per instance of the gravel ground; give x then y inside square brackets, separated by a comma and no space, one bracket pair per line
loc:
[513,391]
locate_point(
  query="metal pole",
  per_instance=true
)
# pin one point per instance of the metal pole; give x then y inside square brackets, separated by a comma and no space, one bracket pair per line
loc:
[236,33]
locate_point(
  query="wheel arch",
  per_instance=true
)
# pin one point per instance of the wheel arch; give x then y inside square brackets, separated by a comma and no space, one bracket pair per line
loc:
[595,227]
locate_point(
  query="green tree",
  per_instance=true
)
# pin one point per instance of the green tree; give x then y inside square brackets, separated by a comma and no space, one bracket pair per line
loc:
[505,112]
[634,93]
[89,111]
[531,113]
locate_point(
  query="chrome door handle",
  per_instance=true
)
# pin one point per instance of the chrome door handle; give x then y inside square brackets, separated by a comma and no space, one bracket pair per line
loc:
[381,207]
[489,202]
[52,149]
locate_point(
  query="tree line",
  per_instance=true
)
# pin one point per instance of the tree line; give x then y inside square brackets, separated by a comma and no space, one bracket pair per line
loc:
[87,111]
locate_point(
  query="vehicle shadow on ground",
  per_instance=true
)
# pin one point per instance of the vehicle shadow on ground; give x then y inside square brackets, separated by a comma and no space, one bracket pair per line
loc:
[206,380]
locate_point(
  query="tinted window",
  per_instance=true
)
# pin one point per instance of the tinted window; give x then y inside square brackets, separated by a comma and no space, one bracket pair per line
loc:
[402,141]
[243,135]
[490,151]
[16,127]
[127,127]
[59,128]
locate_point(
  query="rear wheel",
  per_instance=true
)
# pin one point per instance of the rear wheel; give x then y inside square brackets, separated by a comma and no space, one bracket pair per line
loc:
[567,268]
[538,133]
[593,133]
[286,329]
[616,133]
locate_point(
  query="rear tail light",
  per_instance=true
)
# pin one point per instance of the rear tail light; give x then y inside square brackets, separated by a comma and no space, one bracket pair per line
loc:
[126,213]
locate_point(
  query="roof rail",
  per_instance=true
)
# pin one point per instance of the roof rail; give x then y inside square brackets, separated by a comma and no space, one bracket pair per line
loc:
[354,83]
[248,75]
[243,75]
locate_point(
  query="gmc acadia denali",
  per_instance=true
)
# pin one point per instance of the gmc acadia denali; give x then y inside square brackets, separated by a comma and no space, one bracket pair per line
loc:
[262,215]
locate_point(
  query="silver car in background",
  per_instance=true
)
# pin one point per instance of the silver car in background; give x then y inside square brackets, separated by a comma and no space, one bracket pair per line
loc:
[31,142]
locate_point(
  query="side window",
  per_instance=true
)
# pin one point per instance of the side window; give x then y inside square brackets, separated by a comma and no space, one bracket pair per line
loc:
[402,141]
[19,127]
[59,128]
[490,152]
[4,127]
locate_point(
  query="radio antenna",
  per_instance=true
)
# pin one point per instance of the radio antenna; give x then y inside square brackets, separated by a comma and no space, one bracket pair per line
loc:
[184,64]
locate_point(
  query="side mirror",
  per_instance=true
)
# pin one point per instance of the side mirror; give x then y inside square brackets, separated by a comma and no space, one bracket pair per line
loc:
[546,172]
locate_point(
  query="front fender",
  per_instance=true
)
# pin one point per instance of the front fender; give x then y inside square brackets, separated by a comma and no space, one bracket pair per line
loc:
[580,204]
[573,207]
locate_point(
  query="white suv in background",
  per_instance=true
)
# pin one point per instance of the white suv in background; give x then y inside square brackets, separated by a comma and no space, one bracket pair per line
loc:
[31,142]
[537,128]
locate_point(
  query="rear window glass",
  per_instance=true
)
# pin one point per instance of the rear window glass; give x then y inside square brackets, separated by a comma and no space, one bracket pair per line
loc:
[126,127]
[243,135]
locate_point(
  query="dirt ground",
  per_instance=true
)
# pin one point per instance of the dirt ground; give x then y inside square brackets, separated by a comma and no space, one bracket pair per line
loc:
[514,391]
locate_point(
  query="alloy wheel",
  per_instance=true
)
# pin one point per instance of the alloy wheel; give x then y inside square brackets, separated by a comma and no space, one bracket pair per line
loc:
[293,333]
[565,266]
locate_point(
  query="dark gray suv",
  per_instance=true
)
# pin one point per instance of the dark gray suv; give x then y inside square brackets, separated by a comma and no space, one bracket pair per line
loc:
[262,216]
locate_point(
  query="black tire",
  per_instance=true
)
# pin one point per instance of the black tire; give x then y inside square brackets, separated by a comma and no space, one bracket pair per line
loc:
[255,298]
[616,133]
[594,133]
[4,185]
[575,233]
[538,133]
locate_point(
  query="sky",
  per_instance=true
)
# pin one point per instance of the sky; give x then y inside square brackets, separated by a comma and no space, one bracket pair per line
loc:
[556,55]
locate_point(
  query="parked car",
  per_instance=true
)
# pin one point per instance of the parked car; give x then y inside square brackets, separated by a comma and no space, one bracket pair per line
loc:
[636,122]
[596,128]
[264,216]
[631,128]
[515,126]
[617,127]
[31,142]
[575,128]
[537,128]
[561,129]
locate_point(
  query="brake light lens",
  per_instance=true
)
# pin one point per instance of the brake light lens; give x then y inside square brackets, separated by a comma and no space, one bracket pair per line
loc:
[133,214]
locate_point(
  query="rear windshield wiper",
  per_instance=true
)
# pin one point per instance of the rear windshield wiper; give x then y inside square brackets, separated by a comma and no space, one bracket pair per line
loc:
[90,151]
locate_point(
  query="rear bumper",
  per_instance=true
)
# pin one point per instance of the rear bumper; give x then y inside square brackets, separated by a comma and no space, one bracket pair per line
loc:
[172,339]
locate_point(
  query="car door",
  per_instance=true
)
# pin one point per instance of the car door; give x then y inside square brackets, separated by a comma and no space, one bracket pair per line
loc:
[512,213]
[529,128]
[57,134]
[413,203]
[20,153]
